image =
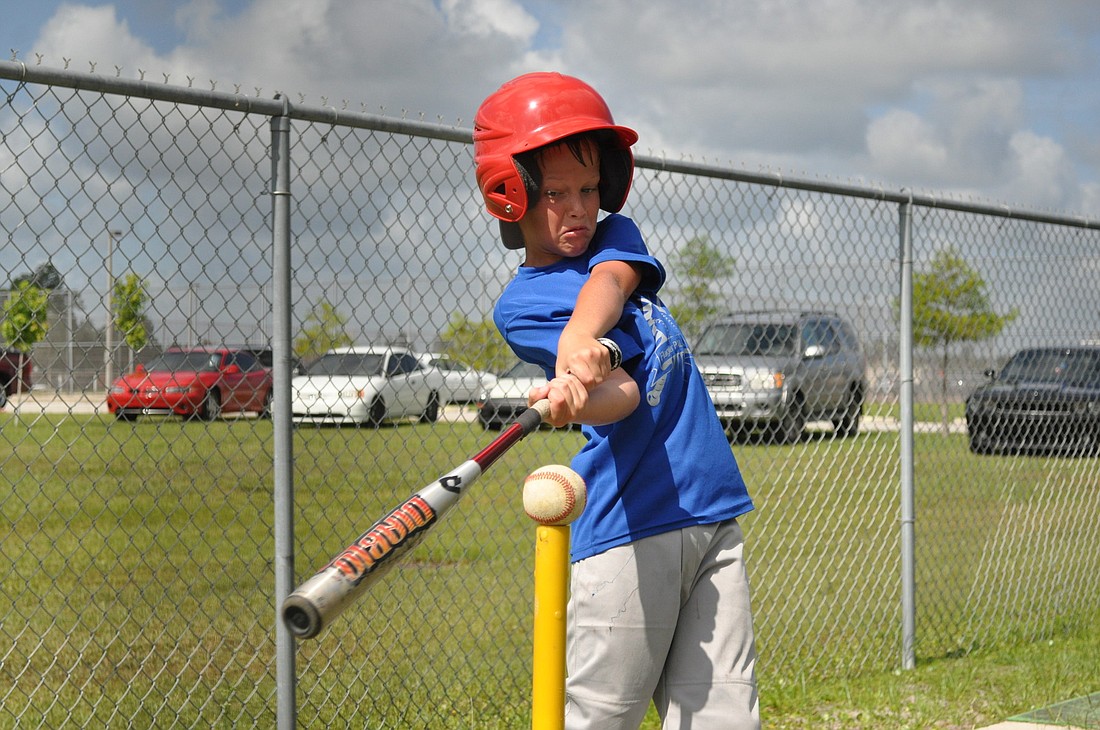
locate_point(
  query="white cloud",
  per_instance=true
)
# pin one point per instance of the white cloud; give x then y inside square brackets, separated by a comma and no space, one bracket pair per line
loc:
[1090,201]
[901,143]
[932,93]
[1038,172]
[81,34]
[486,17]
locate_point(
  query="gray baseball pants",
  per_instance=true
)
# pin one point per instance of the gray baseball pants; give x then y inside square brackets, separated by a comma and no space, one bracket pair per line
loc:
[667,619]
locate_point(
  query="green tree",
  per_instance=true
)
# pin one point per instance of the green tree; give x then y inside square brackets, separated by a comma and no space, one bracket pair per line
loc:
[698,265]
[46,276]
[325,328]
[129,304]
[950,305]
[477,343]
[26,313]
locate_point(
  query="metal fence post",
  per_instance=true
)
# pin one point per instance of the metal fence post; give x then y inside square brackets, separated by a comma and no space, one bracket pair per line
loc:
[281,422]
[905,367]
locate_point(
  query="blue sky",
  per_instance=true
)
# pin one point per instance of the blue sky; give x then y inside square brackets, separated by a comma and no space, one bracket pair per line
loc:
[990,100]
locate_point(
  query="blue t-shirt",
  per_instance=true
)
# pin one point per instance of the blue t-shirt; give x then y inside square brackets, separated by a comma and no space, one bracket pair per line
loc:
[668,464]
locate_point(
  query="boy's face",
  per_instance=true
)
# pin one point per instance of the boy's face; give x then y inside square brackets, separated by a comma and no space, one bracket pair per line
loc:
[561,222]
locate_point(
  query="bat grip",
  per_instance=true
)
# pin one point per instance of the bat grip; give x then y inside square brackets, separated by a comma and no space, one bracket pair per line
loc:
[530,419]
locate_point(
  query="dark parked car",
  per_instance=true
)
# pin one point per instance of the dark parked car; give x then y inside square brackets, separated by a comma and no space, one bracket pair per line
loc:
[776,370]
[266,356]
[194,383]
[1043,399]
[506,397]
[15,374]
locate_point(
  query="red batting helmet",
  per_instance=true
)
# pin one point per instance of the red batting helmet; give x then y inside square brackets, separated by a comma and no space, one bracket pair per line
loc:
[532,111]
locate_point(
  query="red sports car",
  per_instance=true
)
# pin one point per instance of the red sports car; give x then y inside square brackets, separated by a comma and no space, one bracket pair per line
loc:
[194,383]
[15,374]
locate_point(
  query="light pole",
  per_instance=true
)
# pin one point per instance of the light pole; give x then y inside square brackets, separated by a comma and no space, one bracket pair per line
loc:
[109,326]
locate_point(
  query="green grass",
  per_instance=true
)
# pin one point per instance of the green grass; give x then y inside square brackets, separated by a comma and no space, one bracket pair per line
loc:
[966,692]
[136,579]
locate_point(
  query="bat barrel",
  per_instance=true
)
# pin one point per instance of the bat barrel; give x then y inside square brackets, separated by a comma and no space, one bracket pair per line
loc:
[315,603]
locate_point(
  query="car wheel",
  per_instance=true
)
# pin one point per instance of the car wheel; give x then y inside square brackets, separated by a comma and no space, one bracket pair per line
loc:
[847,424]
[377,413]
[978,439]
[3,397]
[792,424]
[265,409]
[431,411]
[1093,448]
[735,430]
[978,445]
[1087,444]
[122,415]
[488,422]
[211,408]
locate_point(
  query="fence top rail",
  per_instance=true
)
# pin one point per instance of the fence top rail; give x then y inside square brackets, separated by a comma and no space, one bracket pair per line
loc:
[280,106]
[902,196]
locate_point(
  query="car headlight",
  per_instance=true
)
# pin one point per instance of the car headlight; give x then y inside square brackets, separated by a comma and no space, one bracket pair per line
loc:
[765,380]
[177,389]
[119,389]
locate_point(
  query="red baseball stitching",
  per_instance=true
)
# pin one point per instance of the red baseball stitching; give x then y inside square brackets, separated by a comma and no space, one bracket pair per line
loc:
[570,495]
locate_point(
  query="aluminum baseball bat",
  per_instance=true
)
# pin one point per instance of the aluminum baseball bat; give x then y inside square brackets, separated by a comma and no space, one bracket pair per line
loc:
[315,603]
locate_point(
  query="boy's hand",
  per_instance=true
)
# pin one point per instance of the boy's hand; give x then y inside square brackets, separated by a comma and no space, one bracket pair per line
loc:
[584,357]
[599,307]
[567,396]
[571,402]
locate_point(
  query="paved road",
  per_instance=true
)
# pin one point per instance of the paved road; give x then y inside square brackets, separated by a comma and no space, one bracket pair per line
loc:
[92,402]
[45,401]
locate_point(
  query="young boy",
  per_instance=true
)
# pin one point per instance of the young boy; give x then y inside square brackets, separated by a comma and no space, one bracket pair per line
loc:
[659,605]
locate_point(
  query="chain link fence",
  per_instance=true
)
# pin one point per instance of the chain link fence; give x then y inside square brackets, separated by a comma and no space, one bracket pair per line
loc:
[142,567]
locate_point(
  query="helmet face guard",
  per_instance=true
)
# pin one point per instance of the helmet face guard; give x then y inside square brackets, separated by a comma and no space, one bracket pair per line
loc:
[533,111]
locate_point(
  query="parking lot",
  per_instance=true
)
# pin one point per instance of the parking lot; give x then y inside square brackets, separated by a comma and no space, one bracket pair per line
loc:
[93,402]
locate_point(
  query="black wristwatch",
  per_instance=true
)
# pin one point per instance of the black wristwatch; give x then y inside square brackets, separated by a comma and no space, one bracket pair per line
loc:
[613,350]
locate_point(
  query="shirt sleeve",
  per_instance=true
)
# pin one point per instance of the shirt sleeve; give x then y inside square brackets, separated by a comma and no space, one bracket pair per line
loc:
[618,239]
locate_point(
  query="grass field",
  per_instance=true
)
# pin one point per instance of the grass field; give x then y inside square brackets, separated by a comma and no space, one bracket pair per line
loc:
[136,584]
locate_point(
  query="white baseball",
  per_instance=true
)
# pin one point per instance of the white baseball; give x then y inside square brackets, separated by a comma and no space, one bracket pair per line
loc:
[554,495]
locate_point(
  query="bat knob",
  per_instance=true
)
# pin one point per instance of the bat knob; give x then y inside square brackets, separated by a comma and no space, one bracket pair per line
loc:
[301,617]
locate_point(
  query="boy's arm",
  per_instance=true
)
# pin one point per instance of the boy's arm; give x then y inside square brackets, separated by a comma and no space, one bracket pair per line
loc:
[599,307]
[570,402]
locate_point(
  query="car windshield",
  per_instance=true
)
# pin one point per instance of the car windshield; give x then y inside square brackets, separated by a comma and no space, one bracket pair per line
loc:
[524,370]
[747,340]
[360,363]
[174,362]
[1053,366]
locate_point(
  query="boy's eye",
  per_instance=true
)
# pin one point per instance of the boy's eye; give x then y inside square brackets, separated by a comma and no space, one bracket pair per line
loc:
[588,190]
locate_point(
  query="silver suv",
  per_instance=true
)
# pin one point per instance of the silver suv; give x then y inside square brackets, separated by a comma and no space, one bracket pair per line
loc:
[776,370]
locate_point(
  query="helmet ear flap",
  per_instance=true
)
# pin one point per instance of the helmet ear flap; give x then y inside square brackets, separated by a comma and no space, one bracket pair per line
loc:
[616,173]
[503,189]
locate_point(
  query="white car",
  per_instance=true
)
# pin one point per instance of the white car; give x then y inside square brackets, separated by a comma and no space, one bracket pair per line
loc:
[365,385]
[507,398]
[458,382]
